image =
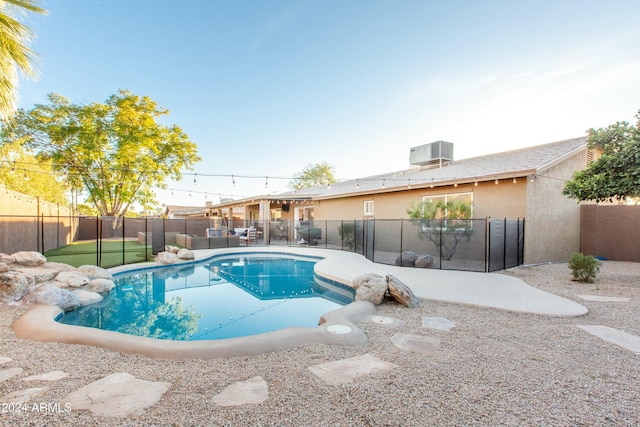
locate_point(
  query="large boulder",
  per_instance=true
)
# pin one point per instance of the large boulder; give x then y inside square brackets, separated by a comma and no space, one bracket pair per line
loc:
[185,254]
[94,272]
[4,267]
[59,266]
[424,261]
[172,249]
[40,274]
[407,259]
[87,297]
[166,258]
[401,292]
[370,287]
[49,293]
[101,286]
[71,279]
[7,259]
[29,258]
[14,286]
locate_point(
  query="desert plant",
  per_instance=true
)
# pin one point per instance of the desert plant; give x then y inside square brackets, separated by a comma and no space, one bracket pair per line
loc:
[584,267]
[444,224]
[348,235]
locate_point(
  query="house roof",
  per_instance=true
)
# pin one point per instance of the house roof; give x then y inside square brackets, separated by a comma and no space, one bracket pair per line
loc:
[504,165]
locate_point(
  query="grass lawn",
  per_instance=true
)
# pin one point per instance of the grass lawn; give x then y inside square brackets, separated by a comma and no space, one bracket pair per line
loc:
[82,253]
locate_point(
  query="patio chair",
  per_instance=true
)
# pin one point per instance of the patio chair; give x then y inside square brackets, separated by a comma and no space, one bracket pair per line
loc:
[250,236]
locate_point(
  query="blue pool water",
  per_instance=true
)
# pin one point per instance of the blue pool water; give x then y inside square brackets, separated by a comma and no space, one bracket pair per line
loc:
[224,297]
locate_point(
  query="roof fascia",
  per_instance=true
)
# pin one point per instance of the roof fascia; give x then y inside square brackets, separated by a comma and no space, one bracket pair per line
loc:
[436,184]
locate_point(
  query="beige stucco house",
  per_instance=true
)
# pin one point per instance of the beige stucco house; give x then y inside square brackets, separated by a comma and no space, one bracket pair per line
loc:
[524,183]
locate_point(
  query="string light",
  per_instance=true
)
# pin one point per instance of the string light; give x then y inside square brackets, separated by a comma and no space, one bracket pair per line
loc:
[514,179]
[357,184]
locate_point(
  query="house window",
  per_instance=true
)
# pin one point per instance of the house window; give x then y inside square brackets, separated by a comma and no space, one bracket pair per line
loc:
[446,198]
[459,225]
[368,207]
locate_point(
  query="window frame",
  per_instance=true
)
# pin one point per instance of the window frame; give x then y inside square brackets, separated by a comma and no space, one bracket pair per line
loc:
[368,208]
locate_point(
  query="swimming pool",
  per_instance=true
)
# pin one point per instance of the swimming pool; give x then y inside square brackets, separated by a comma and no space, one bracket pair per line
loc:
[223,297]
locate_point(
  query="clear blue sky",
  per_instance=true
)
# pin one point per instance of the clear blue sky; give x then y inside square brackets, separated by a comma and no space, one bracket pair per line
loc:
[266,87]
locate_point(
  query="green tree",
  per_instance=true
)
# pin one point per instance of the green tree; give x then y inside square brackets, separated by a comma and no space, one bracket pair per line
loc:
[312,176]
[444,224]
[20,171]
[615,175]
[15,56]
[115,152]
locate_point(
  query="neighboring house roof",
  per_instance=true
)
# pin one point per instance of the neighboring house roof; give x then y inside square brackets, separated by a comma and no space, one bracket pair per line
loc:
[508,164]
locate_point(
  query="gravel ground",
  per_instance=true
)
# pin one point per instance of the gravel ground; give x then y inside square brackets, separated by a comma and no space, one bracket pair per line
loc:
[494,368]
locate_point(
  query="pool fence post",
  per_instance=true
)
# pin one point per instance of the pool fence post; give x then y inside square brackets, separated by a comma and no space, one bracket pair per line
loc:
[124,259]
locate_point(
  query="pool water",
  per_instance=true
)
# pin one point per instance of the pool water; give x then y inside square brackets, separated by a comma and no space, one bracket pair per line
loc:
[224,297]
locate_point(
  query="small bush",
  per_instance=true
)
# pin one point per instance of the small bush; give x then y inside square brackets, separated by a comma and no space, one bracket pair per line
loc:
[584,267]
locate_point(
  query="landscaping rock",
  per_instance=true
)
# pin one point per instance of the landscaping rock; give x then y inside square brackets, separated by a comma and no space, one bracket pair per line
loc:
[166,258]
[71,279]
[7,259]
[3,267]
[49,293]
[13,286]
[58,266]
[185,254]
[87,297]
[29,258]
[407,259]
[401,292]
[172,249]
[101,286]
[370,287]
[93,272]
[424,261]
[40,274]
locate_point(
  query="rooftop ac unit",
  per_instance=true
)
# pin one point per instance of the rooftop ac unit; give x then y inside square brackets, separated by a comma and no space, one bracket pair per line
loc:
[427,154]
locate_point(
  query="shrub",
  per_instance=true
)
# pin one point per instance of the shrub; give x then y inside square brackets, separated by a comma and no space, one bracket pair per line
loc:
[584,267]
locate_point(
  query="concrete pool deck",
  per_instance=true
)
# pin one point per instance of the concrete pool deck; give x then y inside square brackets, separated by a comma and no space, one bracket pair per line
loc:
[490,290]
[338,327]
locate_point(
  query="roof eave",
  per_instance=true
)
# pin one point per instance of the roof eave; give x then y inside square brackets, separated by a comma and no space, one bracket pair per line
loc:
[434,184]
